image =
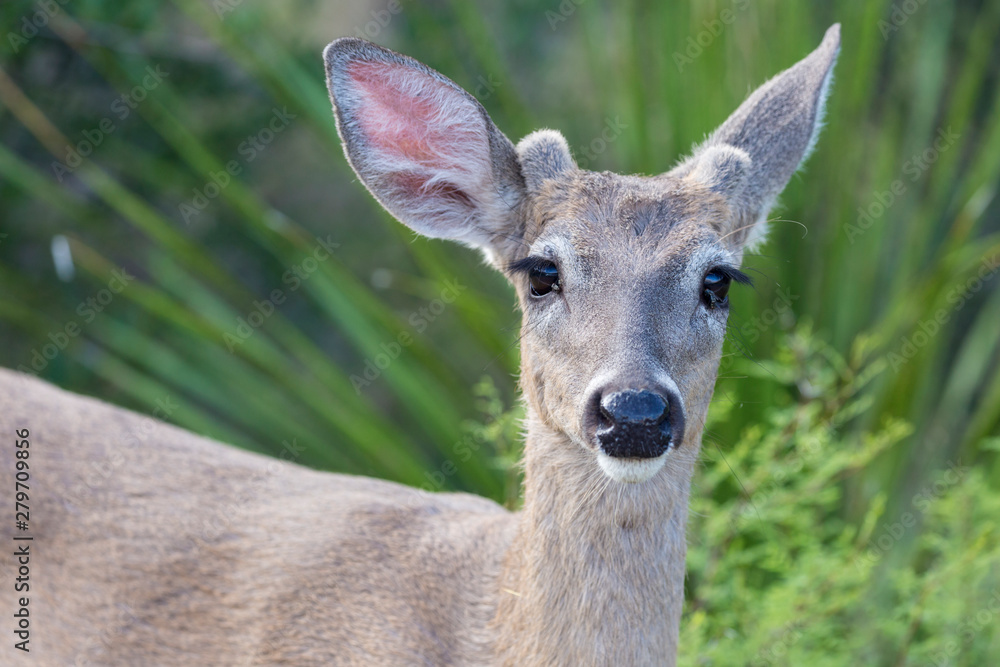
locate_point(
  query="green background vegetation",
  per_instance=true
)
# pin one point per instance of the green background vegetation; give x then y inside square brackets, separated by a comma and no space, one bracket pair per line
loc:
[847,512]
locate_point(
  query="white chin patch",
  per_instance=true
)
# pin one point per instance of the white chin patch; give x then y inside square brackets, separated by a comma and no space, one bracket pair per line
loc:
[630,471]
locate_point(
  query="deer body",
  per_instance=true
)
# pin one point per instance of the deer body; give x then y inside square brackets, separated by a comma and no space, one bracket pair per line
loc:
[155,546]
[216,556]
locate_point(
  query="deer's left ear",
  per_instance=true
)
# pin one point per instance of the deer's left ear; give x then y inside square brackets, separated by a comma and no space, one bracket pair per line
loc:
[425,148]
[751,157]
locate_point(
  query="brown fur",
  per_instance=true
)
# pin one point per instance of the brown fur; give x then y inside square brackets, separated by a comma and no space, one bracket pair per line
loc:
[156,546]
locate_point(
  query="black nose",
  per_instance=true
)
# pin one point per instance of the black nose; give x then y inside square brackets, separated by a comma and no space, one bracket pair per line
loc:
[634,424]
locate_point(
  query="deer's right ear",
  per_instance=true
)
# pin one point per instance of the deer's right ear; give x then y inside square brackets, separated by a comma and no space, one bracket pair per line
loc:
[425,148]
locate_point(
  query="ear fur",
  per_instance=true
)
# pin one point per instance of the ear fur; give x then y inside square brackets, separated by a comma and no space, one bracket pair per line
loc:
[425,148]
[723,169]
[768,137]
[544,155]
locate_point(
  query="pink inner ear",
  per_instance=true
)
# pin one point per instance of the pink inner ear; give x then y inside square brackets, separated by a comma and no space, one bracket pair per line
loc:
[416,185]
[419,121]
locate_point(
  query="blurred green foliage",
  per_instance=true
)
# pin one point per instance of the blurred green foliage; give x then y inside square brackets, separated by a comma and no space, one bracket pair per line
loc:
[273,301]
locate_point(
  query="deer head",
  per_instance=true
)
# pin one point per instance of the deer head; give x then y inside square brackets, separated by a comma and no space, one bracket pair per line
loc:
[623,280]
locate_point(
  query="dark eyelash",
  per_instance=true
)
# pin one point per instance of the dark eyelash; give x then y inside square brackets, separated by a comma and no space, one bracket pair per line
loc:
[734,274]
[528,264]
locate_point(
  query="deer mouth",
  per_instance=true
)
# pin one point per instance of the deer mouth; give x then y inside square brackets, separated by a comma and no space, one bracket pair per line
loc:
[630,470]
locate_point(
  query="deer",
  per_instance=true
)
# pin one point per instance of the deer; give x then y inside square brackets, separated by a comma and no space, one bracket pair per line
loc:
[152,545]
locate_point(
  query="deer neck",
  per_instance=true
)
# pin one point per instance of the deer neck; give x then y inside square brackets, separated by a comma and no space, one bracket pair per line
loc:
[596,568]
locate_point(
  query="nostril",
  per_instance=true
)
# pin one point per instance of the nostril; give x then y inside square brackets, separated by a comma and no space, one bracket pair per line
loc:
[604,418]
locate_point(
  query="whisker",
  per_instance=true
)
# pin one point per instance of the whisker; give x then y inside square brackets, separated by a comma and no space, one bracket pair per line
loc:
[753,224]
[739,481]
[524,331]
[804,228]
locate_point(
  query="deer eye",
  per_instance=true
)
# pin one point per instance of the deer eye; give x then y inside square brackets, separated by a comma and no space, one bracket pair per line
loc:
[543,278]
[716,288]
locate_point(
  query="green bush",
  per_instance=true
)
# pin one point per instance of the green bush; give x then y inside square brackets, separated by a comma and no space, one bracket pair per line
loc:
[778,572]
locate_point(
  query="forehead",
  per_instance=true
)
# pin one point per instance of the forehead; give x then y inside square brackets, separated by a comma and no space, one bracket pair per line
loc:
[633,217]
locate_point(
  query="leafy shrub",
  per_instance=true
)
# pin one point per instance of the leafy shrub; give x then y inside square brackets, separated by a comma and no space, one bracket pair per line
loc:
[781,571]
